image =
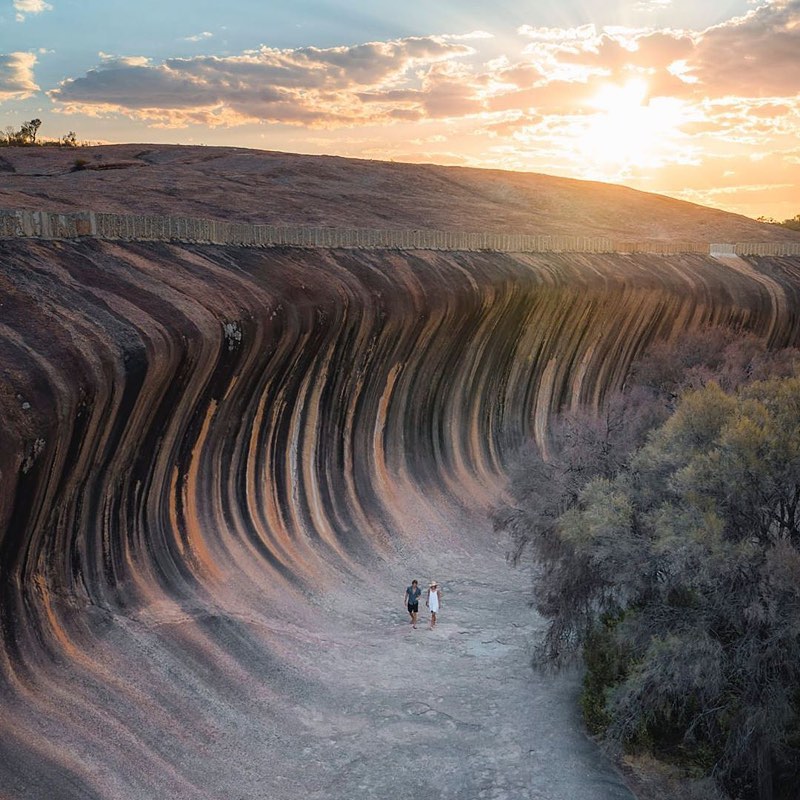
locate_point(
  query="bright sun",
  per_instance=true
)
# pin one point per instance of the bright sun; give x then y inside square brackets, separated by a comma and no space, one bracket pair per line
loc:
[625,131]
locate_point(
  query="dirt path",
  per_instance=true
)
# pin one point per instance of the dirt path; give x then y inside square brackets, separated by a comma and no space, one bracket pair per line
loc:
[451,713]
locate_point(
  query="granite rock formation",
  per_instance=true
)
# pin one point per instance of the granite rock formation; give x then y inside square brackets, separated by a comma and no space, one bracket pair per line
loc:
[199,444]
[326,191]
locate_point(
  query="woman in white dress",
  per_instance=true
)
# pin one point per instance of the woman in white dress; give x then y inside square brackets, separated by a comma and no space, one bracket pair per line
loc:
[434,602]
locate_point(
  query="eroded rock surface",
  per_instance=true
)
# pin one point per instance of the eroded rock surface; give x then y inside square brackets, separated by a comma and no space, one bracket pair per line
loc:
[286,189]
[219,468]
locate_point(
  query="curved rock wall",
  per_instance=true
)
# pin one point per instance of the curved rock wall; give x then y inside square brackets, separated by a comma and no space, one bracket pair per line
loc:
[187,429]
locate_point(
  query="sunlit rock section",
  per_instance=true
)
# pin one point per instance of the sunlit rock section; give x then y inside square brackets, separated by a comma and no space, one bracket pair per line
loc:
[193,439]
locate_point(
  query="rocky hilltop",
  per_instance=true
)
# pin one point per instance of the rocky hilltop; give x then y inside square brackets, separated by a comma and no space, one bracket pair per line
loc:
[286,189]
[218,466]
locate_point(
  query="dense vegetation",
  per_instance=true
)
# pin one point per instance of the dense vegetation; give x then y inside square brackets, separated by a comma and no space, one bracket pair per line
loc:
[26,136]
[667,531]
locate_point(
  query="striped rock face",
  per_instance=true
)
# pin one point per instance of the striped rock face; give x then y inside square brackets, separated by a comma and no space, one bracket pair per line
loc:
[201,445]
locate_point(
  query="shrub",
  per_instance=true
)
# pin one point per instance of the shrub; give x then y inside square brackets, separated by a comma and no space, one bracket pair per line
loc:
[607,665]
[669,557]
[793,223]
[696,546]
[26,136]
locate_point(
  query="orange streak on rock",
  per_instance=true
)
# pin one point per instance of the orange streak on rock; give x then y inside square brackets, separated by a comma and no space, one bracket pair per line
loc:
[195,530]
[385,481]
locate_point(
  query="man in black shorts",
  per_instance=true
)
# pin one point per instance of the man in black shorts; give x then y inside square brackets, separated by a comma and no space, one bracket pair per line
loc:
[412,602]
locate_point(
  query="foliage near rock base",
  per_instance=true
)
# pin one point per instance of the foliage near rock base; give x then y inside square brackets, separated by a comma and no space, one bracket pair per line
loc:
[670,558]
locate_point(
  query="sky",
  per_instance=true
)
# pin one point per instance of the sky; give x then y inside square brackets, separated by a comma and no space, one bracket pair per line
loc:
[696,100]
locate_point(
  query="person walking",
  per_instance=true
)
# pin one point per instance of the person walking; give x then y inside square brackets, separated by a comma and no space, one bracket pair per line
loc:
[411,601]
[434,602]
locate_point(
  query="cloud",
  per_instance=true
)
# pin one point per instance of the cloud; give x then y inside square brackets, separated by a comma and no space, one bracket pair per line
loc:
[198,37]
[16,76]
[447,90]
[560,36]
[559,73]
[322,87]
[591,56]
[25,7]
[757,55]
[745,121]
[465,37]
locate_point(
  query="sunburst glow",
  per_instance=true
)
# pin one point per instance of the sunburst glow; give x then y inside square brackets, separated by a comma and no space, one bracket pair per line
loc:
[627,130]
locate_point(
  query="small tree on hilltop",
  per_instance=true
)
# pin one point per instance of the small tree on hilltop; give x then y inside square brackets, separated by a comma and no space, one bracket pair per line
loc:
[27,136]
[29,130]
[793,223]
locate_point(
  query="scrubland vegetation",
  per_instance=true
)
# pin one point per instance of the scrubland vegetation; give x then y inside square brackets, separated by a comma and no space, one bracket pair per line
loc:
[793,223]
[666,530]
[27,135]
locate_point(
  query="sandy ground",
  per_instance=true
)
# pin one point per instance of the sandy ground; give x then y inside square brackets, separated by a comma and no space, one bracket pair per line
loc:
[454,712]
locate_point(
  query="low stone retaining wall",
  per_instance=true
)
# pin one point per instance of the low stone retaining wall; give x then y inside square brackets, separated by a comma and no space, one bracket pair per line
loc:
[50,225]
